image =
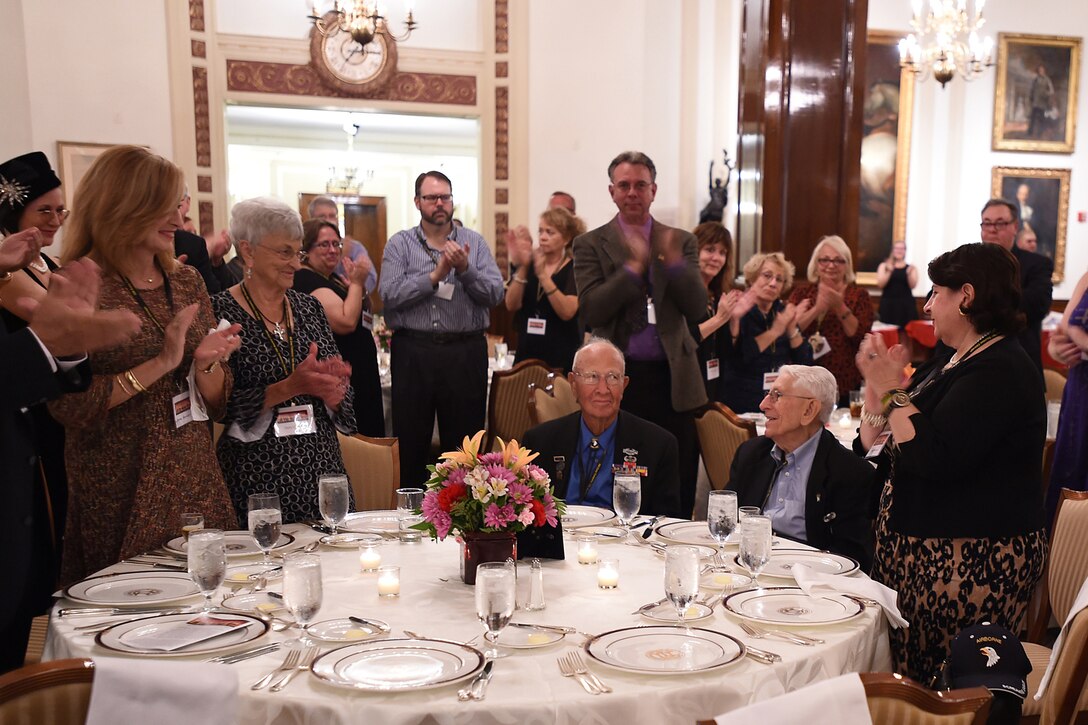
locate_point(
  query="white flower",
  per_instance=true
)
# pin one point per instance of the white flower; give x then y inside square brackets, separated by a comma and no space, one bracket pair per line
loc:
[477,476]
[497,486]
[480,491]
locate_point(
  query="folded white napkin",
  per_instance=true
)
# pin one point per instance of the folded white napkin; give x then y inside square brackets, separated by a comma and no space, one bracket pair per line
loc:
[815,583]
[838,701]
[164,693]
[1078,604]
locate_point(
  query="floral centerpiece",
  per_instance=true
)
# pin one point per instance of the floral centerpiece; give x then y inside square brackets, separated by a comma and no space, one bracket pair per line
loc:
[382,334]
[487,497]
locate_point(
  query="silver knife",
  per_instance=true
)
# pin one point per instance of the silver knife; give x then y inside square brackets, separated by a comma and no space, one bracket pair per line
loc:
[650,529]
[791,637]
[479,686]
[369,623]
[548,627]
[245,654]
[759,655]
[111,611]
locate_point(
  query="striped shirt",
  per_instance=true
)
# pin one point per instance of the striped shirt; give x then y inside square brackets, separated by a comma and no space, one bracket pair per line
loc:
[411,303]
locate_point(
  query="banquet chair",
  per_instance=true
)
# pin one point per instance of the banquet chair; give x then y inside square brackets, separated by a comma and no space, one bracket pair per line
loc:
[57,692]
[373,466]
[1066,689]
[554,400]
[897,699]
[721,431]
[1055,384]
[507,414]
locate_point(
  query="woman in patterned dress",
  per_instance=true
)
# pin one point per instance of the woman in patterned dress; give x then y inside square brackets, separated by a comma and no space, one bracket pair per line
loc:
[291,390]
[840,316]
[960,533]
[136,459]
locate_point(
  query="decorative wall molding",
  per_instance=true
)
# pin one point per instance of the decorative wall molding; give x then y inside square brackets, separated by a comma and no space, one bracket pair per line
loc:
[502,27]
[502,258]
[502,195]
[204,184]
[196,15]
[201,120]
[502,69]
[199,48]
[206,217]
[502,133]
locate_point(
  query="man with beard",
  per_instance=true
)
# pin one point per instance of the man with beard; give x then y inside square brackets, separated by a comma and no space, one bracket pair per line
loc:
[438,285]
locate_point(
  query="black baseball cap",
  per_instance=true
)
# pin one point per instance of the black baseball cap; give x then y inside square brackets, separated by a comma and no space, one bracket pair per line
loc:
[990,656]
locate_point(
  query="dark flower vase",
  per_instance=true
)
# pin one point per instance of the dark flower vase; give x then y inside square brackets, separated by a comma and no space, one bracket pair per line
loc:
[480,547]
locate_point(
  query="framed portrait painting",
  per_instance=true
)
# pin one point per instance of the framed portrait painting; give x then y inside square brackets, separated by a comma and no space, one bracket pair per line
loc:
[73,160]
[1035,99]
[1043,198]
[885,153]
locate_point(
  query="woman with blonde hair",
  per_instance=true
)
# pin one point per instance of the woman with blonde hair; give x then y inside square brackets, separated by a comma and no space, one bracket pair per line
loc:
[137,454]
[840,315]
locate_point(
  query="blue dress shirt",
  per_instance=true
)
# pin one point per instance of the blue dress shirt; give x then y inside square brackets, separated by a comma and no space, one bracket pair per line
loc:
[786,502]
[600,492]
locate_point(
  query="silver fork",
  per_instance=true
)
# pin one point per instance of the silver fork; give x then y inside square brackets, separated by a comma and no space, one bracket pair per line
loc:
[304,664]
[567,670]
[289,663]
[760,633]
[581,669]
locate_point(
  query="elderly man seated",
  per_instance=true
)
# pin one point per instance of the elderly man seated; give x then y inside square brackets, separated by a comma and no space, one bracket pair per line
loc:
[581,451]
[811,486]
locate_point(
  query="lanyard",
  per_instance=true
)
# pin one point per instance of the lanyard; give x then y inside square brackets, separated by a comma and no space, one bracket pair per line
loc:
[143,305]
[272,340]
[432,253]
[593,454]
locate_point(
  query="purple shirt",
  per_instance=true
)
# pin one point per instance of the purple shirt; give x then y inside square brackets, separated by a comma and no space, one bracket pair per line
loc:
[644,344]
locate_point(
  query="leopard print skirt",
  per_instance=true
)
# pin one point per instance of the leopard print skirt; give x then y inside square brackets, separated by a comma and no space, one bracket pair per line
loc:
[946,585]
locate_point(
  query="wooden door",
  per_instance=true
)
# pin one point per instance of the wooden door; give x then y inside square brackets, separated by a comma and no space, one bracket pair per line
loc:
[364,220]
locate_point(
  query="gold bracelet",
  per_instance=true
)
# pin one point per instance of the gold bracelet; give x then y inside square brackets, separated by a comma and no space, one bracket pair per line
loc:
[549,294]
[121,383]
[136,384]
[211,368]
[876,421]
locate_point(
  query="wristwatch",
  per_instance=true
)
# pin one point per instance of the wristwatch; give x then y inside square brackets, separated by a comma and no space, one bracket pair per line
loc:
[895,398]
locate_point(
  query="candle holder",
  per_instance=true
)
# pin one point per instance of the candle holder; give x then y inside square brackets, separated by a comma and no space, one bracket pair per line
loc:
[370,556]
[608,573]
[587,550]
[388,581]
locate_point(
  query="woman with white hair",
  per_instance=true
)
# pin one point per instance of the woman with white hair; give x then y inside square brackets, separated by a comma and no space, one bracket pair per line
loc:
[291,388]
[840,316]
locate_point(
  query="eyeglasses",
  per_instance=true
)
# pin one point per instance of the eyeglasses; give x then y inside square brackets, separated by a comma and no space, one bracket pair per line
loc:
[772,276]
[626,186]
[612,380]
[831,261]
[328,245]
[286,253]
[60,213]
[996,225]
[776,395]
[435,198]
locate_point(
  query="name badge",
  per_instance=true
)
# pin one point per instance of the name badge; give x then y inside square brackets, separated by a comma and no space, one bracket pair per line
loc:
[294,420]
[879,443]
[536,326]
[768,379]
[368,320]
[651,315]
[712,369]
[445,291]
[183,409]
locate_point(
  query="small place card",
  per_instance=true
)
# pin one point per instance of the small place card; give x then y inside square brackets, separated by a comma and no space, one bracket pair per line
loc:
[177,636]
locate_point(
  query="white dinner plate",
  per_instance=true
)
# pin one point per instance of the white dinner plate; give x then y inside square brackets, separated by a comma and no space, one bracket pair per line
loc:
[122,637]
[719,579]
[696,532]
[603,534]
[247,574]
[362,522]
[254,602]
[134,589]
[525,636]
[662,650]
[790,605]
[666,612]
[578,516]
[236,543]
[348,539]
[783,560]
[345,630]
[396,665]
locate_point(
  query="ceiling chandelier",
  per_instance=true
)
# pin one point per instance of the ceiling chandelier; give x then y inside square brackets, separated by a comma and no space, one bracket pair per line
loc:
[346,180]
[363,19]
[946,41]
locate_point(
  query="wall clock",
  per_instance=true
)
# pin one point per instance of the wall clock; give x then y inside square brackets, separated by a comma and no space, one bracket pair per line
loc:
[347,66]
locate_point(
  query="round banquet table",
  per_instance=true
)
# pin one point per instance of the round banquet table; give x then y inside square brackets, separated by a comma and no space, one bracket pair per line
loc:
[526,686]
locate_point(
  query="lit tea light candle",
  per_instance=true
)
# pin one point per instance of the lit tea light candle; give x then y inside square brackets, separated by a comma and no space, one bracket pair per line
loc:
[608,573]
[389,581]
[370,556]
[587,550]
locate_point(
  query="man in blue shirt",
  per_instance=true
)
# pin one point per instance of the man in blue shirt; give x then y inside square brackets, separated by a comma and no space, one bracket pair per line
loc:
[582,450]
[813,488]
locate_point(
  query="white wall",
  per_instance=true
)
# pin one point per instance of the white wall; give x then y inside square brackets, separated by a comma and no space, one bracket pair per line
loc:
[15,133]
[951,156]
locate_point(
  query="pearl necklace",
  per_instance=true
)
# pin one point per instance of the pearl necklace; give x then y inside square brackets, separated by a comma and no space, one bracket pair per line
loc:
[40,265]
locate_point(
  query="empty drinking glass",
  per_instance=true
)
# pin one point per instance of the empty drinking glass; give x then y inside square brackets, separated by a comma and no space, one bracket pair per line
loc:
[495,600]
[409,501]
[721,515]
[626,497]
[332,499]
[207,560]
[755,543]
[265,519]
[681,577]
[302,589]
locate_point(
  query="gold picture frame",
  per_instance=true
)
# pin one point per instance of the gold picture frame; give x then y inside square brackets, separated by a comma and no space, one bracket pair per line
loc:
[73,160]
[1035,97]
[1043,198]
[885,154]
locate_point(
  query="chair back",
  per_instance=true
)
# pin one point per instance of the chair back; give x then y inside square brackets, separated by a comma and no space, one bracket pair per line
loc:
[507,414]
[1067,681]
[720,433]
[554,400]
[373,466]
[1068,565]
[897,699]
[57,692]
[1055,384]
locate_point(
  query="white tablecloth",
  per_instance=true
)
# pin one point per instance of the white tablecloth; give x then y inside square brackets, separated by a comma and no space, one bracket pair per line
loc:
[526,686]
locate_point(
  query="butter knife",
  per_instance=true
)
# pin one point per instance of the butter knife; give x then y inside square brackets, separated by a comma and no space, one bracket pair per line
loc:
[763,656]
[547,627]
[370,623]
[245,654]
[111,611]
[479,686]
[650,528]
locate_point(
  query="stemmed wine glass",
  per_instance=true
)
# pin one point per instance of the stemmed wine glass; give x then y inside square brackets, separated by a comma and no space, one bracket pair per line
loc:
[721,515]
[681,577]
[626,497]
[302,590]
[207,560]
[495,599]
[265,519]
[755,544]
[332,499]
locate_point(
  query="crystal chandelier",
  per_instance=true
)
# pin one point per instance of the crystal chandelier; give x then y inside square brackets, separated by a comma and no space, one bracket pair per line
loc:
[346,180]
[363,19]
[946,40]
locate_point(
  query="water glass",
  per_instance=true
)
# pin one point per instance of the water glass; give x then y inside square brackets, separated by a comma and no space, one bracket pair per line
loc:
[495,600]
[207,560]
[721,515]
[190,522]
[332,499]
[681,577]
[265,520]
[745,511]
[755,543]
[626,497]
[409,501]
[302,588]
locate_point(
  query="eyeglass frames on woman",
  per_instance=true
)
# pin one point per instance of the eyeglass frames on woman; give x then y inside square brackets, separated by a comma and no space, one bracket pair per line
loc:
[61,214]
[328,245]
[831,261]
[286,254]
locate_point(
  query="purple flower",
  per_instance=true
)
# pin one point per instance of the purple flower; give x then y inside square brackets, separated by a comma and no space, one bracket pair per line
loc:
[430,506]
[457,475]
[497,517]
[536,473]
[519,492]
[550,512]
[442,523]
[490,459]
[496,470]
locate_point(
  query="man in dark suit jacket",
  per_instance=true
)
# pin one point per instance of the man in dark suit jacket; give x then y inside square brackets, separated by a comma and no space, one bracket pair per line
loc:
[812,487]
[1000,224]
[64,323]
[581,450]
